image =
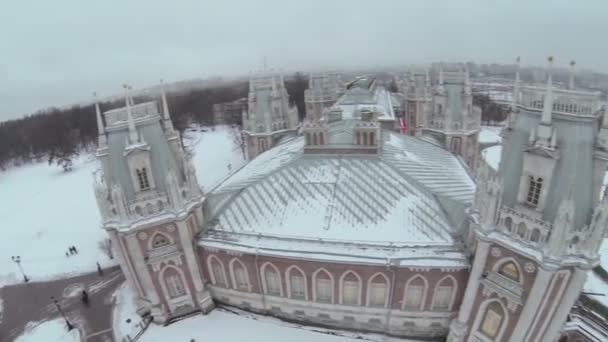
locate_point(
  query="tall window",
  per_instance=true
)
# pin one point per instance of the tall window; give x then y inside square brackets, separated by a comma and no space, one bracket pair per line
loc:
[273,281]
[218,272]
[413,296]
[314,139]
[175,287]
[323,287]
[297,284]
[142,178]
[378,290]
[371,138]
[491,323]
[442,297]
[321,140]
[351,288]
[534,187]
[307,138]
[510,271]
[240,276]
[358,135]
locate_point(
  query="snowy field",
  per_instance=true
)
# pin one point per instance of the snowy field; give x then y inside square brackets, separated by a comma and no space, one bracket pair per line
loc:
[48,331]
[228,325]
[44,210]
[490,134]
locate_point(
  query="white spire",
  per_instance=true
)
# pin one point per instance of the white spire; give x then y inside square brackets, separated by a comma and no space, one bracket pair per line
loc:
[102,141]
[571,83]
[166,116]
[133,137]
[516,86]
[548,104]
[467,80]
[440,88]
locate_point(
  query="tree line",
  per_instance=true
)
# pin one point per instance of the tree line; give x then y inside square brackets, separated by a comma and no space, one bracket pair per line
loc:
[58,135]
[491,112]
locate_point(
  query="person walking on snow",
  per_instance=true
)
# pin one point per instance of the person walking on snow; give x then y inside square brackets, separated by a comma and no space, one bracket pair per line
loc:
[85,298]
[99,270]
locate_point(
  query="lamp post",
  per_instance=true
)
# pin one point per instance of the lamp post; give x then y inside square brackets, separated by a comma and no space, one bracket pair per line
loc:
[67,322]
[17,260]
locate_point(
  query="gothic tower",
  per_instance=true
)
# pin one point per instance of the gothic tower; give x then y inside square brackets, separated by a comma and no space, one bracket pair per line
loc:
[151,206]
[453,119]
[537,222]
[269,116]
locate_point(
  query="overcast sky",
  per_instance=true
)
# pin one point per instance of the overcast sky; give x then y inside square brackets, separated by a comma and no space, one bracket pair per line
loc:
[58,52]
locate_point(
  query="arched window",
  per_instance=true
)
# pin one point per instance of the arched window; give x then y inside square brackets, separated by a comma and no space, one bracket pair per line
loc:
[415,293]
[314,138]
[510,271]
[272,280]
[173,282]
[296,279]
[443,296]
[321,139]
[509,224]
[159,240]
[142,179]
[534,188]
[364,134]
[307,138]
[323,290]
[494,320]
[350,287]
[218,274]
[535,237]
[358,136]
[521,230]
[371,138]
[377,290]
[240,277]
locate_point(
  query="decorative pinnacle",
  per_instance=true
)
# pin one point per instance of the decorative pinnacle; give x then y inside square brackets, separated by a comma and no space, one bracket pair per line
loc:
[572,63]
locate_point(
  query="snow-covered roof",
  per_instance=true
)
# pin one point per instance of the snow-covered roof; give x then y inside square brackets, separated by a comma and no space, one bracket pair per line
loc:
[410,194]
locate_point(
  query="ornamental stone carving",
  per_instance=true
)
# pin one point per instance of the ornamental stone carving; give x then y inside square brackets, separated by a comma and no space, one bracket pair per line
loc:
[529,267]
[142,235]
[496,252]
[170,228]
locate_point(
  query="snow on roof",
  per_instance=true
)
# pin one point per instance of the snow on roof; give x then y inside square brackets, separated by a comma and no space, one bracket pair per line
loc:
[490,134]
[492,156]
[392,198]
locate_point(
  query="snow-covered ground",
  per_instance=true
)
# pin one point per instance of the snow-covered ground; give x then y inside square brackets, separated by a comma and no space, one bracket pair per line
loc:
[48,331]
[229,325]
[44,210]
[490,134]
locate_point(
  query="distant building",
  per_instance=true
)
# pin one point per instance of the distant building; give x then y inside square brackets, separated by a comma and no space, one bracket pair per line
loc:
[269,116]
[229,113]
[323,91]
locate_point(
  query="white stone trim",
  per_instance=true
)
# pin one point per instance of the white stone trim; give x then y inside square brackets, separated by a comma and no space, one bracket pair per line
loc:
[178,301]
[341,286]
[233,277]
[501,262]
[288,280]
[314,284]
[475,335]
[210,260]
[369,283]
[565,275]
[424,292]
[263,276]
[454,290]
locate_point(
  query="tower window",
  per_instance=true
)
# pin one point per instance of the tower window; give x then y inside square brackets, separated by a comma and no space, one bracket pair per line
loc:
[175,286]
[534,187]
[142,178]
[491,323]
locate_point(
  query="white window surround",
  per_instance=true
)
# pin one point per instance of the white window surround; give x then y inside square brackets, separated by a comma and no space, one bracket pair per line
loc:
[477,335]
[314,284]
[263,276]
[370,287]
[213,259]
[448,280]
[155,235]
[424,291]
[288,274]
[342,284]
[234,278]
[138,160]
[186,299]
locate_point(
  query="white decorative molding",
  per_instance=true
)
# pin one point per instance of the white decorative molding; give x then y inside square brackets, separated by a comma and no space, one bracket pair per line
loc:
[171,228]
[496,252]
[142,235]
[529,267]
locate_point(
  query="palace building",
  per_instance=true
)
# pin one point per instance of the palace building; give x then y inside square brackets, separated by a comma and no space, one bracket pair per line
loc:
[348,223]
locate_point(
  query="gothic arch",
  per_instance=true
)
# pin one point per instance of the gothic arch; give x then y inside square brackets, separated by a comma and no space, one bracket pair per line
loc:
[175,301]
[425,290]
[210,262]
[294,268]
[503,262]
[441,282]
[231,266]
[157,238]
[481,314]
[263,276]
[341,288]
[314,283]
[370,281]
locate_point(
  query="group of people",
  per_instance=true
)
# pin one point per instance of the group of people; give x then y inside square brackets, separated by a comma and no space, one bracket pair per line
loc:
[71,251]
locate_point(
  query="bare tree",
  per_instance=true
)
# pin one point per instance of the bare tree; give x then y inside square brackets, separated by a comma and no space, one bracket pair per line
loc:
[237,138]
